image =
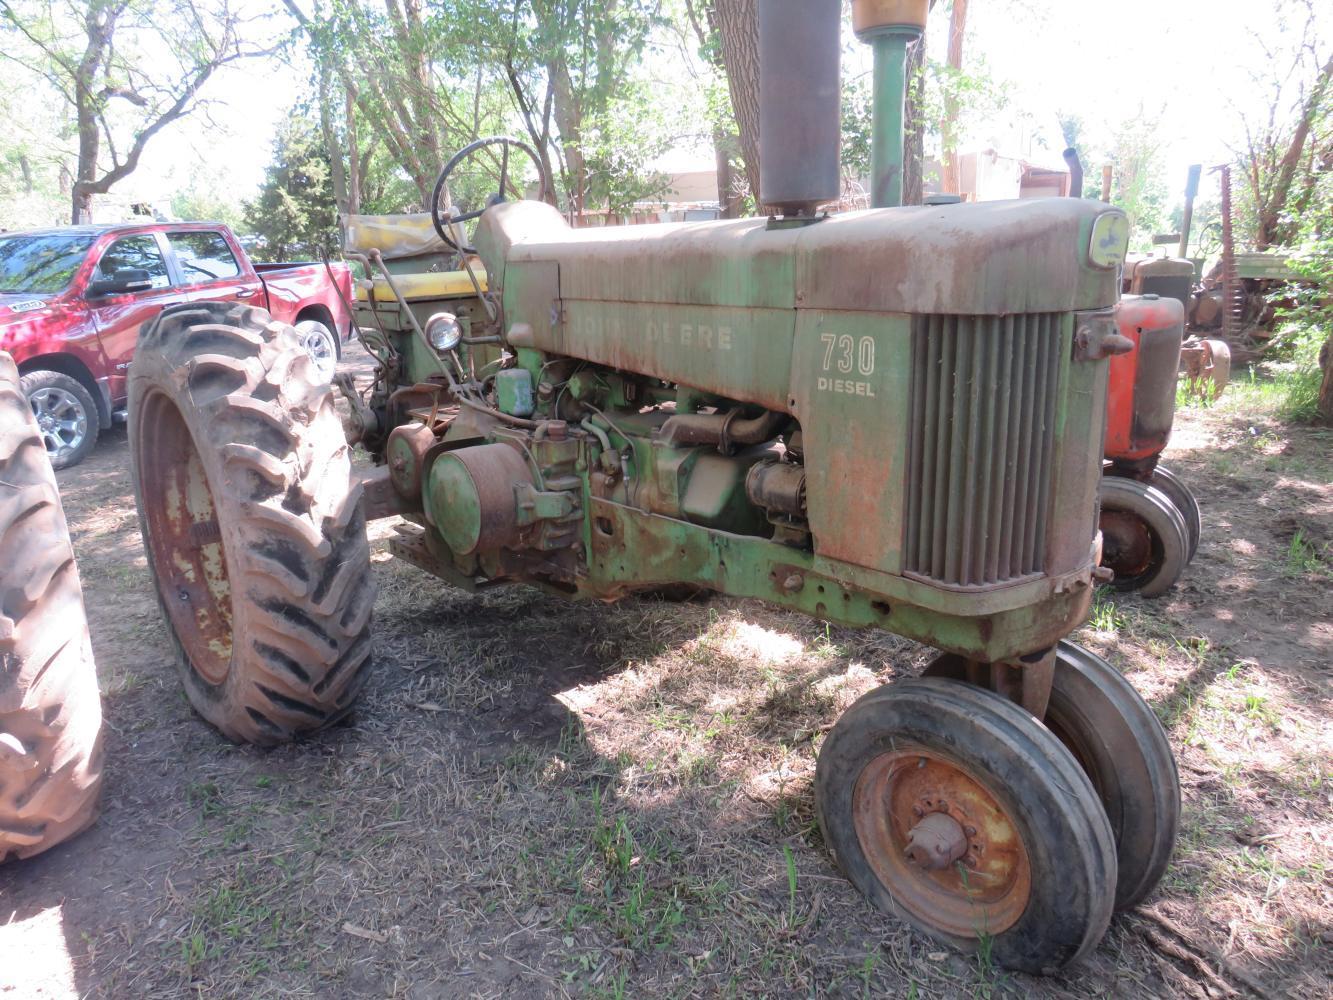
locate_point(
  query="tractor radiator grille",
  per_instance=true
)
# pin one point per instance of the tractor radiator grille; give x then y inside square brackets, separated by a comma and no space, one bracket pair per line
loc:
[980,455]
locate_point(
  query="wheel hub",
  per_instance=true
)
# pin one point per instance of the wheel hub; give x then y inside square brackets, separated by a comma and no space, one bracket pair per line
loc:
[1127,543]
[941,842]
[936,842]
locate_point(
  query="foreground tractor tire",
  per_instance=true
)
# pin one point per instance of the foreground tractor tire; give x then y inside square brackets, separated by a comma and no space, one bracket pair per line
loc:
[50,709]
[251,521]
[1145,539]
[951,807]
[1116,738]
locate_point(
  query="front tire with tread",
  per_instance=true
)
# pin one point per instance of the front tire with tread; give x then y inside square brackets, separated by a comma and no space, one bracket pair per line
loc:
[50,708]
[251,520]
[1036,781]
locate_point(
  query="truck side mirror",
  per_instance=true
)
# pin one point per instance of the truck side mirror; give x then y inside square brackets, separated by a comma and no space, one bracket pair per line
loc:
[124,281]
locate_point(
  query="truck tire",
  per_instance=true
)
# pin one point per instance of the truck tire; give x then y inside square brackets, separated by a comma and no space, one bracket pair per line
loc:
[252,521]
[67,417]
[50,709]
[321,343]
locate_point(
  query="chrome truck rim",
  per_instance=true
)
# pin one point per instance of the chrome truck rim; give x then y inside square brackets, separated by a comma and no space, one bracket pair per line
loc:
[61,420]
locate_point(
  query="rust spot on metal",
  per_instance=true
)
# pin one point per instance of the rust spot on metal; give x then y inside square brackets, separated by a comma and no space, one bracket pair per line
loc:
[913,807]
[184,539]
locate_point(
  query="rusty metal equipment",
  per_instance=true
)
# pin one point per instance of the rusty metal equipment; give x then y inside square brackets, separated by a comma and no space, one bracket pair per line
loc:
[888,419]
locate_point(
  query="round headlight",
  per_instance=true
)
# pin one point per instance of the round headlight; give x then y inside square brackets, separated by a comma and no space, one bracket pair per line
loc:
[443,331]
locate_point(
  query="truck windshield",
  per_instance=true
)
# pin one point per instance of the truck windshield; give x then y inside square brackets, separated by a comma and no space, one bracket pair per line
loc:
[40,263]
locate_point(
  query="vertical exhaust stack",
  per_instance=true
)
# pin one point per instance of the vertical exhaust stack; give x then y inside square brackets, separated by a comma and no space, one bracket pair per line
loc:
[1191,192]
[800,105]
[1075,172]
[890,26]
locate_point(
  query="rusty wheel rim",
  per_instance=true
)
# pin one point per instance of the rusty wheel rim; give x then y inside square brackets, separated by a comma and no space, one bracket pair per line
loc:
[183,538]
[982,892]
[1127,545]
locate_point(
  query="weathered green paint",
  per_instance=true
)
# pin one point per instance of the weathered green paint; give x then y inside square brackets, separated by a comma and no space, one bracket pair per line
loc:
[815,322]
[643,551]
[514,392]
[452,498]
[888,112]
[850,380]
[738,353]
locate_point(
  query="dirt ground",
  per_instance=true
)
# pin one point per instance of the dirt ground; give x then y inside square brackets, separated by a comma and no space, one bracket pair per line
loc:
[539,799]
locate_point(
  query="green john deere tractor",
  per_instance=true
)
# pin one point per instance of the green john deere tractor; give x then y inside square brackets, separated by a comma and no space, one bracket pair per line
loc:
[886,419]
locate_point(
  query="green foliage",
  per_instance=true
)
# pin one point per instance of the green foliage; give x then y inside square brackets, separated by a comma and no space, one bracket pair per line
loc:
[200,203]
[294,215]
[1305,307]
[31,153]
[1139,184]
[857,131]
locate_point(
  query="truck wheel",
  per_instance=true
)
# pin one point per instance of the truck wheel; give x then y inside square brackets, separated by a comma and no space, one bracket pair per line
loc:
[1116,738]
[951,807]
[1184,500]
[66,416]
[251,521]
[50,709]
[321,344]
[1144,538]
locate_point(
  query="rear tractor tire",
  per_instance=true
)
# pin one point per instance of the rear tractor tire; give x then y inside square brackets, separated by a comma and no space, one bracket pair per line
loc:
[954,809]
[252,521]
[50,709]
[1145,538]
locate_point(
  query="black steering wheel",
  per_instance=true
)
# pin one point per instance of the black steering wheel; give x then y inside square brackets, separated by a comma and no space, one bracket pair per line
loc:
[443,225]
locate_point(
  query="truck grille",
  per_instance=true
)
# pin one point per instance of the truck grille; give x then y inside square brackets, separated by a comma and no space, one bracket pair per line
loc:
[980,454]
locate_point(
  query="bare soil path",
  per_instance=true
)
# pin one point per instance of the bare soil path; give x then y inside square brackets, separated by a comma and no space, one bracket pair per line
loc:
[536,799]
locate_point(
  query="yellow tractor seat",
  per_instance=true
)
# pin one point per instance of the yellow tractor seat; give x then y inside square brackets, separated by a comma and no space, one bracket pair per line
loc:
[394,236]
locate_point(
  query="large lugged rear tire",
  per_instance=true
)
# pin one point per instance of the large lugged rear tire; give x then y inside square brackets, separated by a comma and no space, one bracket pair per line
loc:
[50,709]
[251,520]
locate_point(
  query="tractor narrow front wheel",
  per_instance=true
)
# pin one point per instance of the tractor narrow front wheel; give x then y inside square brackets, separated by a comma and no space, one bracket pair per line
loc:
[1184,501]
[1116,738]
[953,808]
[251,520]
[1145,540]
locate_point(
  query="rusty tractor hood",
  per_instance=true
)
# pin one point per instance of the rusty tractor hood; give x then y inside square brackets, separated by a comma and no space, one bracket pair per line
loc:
[992,258]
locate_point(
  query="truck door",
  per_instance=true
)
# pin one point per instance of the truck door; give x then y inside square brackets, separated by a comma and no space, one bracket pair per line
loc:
[119,318]
[212,271]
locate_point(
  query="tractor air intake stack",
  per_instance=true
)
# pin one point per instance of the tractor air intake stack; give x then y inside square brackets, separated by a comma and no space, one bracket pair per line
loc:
[890,26]
[800,103]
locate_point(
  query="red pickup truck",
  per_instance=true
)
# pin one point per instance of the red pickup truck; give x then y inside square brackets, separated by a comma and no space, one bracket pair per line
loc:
[72,302]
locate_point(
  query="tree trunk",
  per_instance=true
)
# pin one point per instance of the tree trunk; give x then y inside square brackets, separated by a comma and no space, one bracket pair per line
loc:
[353,155]
[1326,387]
[738,28]
[1271,211]
[949,127]
[569,123]
[337,170]
[914,124]
[728,198]
[914,121]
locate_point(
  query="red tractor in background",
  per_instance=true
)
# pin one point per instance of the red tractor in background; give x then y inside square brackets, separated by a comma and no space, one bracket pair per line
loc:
[1149,518]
